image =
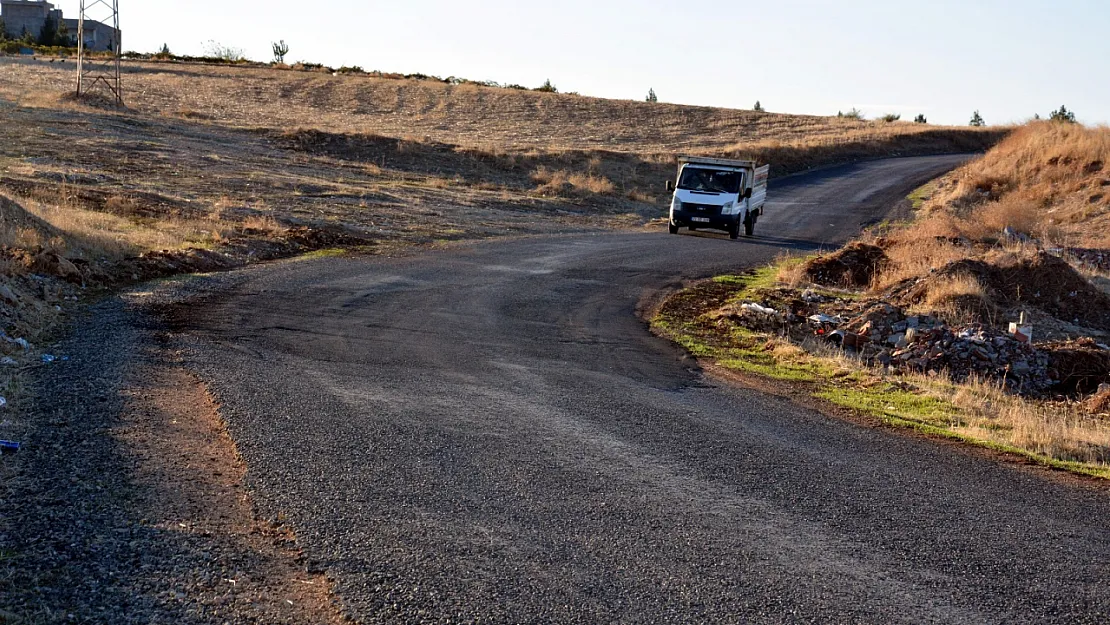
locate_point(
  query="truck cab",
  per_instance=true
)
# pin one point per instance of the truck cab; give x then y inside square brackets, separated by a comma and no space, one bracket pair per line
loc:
[718,194]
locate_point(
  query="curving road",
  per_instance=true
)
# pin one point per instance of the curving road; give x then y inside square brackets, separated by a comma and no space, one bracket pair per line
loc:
[489,434]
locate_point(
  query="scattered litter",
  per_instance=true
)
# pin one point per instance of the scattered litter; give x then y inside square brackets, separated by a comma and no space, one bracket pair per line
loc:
[812,297]
[9,447]
[3,402]
[1103,346]
[8,361]
[48,358]
[763,310]
[822,318]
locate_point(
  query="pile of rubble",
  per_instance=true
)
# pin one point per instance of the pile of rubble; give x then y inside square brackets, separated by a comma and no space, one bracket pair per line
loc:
[883,335]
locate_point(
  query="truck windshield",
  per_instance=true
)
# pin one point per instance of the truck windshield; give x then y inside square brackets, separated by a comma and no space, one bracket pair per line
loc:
[711,180]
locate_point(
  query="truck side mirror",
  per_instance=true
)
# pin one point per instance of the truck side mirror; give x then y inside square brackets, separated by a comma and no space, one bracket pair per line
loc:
[670,185]
[748,193]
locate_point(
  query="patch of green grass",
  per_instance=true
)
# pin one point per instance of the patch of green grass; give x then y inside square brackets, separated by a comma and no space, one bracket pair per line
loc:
[921,194]
[760,279]
[890,401]
[329,252]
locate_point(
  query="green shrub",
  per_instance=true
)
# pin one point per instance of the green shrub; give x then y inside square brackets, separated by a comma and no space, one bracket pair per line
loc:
[977,120]
[890,117]
[1063,115]
[651,97]
[855,113]
[920,119]
[547,87]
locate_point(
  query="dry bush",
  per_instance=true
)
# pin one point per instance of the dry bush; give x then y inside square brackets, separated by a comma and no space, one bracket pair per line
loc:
[563,182]
[915,256]
[958,298]
[263,223]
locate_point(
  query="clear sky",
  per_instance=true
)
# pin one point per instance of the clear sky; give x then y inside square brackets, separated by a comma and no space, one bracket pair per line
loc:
[1007,58]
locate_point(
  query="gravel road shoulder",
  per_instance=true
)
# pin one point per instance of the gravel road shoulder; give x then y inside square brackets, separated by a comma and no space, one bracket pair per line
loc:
[127,502]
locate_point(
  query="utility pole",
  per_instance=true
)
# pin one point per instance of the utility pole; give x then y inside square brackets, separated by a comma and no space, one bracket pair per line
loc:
[99,70]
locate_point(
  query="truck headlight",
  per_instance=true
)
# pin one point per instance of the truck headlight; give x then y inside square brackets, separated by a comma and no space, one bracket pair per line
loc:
[676,204]
[728,206]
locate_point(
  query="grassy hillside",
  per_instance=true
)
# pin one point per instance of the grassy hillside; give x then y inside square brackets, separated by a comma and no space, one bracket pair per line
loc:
[487,118]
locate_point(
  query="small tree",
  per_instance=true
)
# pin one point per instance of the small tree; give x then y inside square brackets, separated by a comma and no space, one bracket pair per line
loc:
[63,38]
[758,108]
[651,97]
[1036,117]
[977,120]
[280,49]
[48,36]
[920,119]
[547,87]
[891,117]
[1063,115]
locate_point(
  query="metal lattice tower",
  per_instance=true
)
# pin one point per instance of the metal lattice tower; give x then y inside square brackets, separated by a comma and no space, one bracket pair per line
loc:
[96,71]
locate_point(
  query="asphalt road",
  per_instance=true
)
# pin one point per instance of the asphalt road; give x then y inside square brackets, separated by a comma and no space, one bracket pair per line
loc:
[489,434]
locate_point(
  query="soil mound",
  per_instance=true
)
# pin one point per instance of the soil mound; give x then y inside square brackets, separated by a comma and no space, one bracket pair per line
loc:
[1040,281]
[1080,366]
[851,266]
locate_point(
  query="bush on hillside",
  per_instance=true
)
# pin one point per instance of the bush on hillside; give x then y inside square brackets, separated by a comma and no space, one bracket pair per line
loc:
[221,52]
[854,113]
[890,117]
[920,119]
[1063,115]
[547,87]
[977,120]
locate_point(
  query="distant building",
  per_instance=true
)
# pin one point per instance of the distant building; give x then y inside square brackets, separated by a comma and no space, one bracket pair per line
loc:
[29,16]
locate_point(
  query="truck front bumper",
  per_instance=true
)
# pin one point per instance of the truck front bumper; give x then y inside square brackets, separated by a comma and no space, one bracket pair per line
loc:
[697,219]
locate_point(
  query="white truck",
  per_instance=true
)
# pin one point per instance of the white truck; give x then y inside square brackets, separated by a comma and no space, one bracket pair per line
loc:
[718,193]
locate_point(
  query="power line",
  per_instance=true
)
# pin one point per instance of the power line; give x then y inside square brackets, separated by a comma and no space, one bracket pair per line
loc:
[98,69]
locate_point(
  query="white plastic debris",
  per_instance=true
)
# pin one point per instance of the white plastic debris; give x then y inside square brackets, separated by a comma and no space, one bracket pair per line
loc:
[3,402]
[823,318]
[756,308]
[49,358]
[8,361]
[22,342]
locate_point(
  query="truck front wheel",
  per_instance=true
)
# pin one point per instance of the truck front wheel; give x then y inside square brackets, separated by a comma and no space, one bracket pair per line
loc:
[672,228]
[749,224]
[734,231]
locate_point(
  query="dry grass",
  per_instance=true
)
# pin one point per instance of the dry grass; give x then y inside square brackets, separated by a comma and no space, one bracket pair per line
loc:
[466,115]
[562,182]
[1047,180]
[1054,429]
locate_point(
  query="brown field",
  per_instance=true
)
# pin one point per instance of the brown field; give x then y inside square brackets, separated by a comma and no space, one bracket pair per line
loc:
[486,118]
